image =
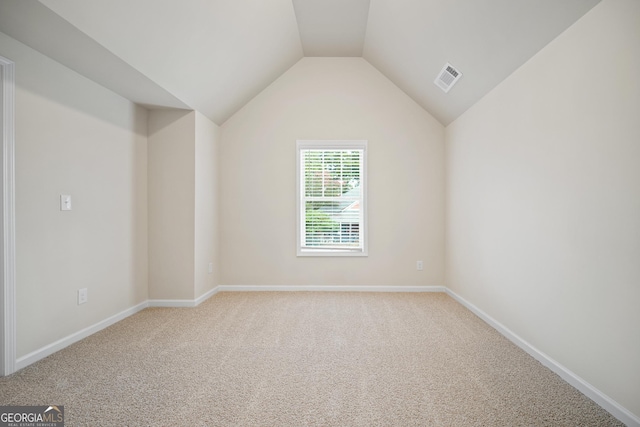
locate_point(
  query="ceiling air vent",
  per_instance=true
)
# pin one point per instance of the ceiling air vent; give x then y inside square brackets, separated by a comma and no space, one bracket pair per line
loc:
[447,77]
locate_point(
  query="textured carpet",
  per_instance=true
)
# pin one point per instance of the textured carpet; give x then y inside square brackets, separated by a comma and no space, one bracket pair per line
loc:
[303,358]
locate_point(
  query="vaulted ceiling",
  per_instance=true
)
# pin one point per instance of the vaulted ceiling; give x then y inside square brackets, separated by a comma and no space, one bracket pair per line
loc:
[216,55]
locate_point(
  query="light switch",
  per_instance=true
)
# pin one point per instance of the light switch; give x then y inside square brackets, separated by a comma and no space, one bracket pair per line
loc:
[65,202]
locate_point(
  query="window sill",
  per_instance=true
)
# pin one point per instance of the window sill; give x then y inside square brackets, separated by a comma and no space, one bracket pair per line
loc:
[330,253]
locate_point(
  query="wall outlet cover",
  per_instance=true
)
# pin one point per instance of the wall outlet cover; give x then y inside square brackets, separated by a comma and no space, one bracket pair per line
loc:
[83,296]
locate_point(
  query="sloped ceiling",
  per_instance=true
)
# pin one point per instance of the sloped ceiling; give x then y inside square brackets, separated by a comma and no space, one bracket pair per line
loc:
[332,27]
[215,55]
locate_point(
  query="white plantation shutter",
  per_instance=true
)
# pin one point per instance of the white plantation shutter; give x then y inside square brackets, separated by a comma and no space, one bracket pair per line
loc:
[331,197]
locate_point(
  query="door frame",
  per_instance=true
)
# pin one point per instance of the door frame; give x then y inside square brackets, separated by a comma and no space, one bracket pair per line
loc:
[8,230]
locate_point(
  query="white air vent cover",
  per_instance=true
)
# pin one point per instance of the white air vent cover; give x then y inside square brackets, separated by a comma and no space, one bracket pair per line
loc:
[447,77]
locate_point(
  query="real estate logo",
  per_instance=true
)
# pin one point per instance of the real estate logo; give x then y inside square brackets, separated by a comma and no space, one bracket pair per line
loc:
[32,416]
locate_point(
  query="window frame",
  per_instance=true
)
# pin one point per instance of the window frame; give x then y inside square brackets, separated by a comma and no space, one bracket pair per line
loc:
[328,145]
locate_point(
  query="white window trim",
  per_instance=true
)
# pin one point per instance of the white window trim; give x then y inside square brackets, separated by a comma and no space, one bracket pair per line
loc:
[300,214]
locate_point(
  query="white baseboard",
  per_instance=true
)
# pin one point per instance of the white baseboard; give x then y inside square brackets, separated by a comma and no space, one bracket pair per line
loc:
[183,302]
[321,288]
[47,350]
[174,303]
[608,404]
[202,298]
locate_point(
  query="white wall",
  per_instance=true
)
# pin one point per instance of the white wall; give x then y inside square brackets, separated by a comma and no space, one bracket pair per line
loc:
[75,137]
[331,98]
[206,204]
[171,204]
[543,188]
[182,204]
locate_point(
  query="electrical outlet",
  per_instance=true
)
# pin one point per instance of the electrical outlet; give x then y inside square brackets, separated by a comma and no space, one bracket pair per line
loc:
[210,267]
[65,202]
[83,296]
[419,265]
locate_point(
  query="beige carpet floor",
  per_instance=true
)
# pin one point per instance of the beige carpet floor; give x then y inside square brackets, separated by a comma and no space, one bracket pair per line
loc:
[303,358]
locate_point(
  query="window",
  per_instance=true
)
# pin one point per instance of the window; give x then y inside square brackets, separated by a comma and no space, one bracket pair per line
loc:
[331,207]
